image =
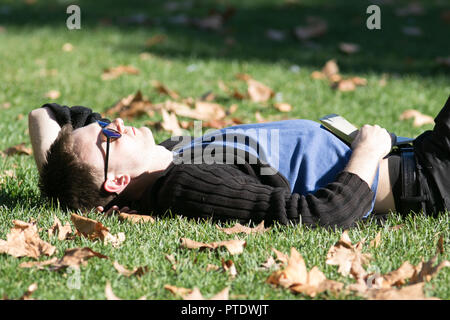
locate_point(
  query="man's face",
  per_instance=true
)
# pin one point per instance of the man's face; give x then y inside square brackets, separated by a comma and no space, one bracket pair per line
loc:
[130,154]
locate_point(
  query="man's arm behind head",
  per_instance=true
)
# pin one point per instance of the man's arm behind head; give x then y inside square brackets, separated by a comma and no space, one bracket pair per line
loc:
[43,129]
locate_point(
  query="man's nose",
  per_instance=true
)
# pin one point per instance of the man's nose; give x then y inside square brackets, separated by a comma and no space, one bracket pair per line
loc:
[118,122]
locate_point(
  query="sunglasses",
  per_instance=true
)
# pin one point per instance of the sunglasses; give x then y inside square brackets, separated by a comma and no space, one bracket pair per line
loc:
[111,135]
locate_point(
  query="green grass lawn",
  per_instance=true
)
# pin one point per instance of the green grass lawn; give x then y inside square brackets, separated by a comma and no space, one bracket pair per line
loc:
[192,61]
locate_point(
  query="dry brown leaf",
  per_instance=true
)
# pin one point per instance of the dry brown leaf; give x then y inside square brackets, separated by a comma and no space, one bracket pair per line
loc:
[269,264]
[211,267]
[410,292]
[349,48]
[67,47]
[208,96]
[238,228]
[397,227]
[19,149]
[172,260]
[170,123]
[376,241]
[346,255]
[53,94]
[24,241]
[93,229]
[203,110]
[154,40]
[229,267]
[283,106]
[38,264]
[132,106]
[115,72]
[420,119]
[137,271]
[195,294]
[233,246]
[109,292]
[161,88]
[27,295]
[315,27]
[440,245]
[63,231]
[295,271]
[282,257]
[178,291]
[135,218]
[399,276]
[297,278]
[74,257]
[259,92]
[259,118]
[330,68]
[424,271]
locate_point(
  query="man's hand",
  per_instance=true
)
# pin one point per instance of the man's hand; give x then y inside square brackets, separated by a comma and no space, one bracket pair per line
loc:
[374,140]
[371,145]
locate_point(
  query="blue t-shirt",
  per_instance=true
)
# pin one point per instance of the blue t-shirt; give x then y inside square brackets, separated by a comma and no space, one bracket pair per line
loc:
[303,151]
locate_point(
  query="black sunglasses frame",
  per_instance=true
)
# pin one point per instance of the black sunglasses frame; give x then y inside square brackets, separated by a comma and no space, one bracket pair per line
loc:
[109,133]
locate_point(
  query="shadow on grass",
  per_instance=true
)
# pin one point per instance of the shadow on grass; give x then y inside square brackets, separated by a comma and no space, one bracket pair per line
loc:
[243,35]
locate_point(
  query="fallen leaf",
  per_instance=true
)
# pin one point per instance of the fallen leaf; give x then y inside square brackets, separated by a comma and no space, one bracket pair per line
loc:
[259,92]
[282,257]
[178,291]
[283,107]
[349,48]
[440,245]
[229,267]
[154,40]
[53,94]
[76,257]
[233,246]
[38,264]
[238,228]
[330,68]
[297,278]
[315,27]
[27,295]
[211,267]
[195,294]
[93,229]
[67,47]
[19,149]
[109,293]
[419,118]
[115,72]
[411,292]
[132,106]
[137,271]
[135,218]
[376,241]
[161,88]
[24,241]
[424,271]
[170,123]
[269,263]
[345,255]
[172,260]
[63,231]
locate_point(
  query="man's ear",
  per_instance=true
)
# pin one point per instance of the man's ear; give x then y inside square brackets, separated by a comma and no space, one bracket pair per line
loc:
[117,184]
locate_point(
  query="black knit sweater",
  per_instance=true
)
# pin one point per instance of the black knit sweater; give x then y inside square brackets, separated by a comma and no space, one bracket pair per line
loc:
[238,191]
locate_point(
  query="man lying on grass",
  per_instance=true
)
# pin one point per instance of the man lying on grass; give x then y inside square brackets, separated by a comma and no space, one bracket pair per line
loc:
[286,171]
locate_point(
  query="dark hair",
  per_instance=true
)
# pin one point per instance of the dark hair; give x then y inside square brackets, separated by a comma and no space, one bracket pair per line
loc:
[66,178]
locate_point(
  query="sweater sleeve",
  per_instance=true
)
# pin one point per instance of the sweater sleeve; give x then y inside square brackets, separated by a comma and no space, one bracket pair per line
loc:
[224,192]
[78,116]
